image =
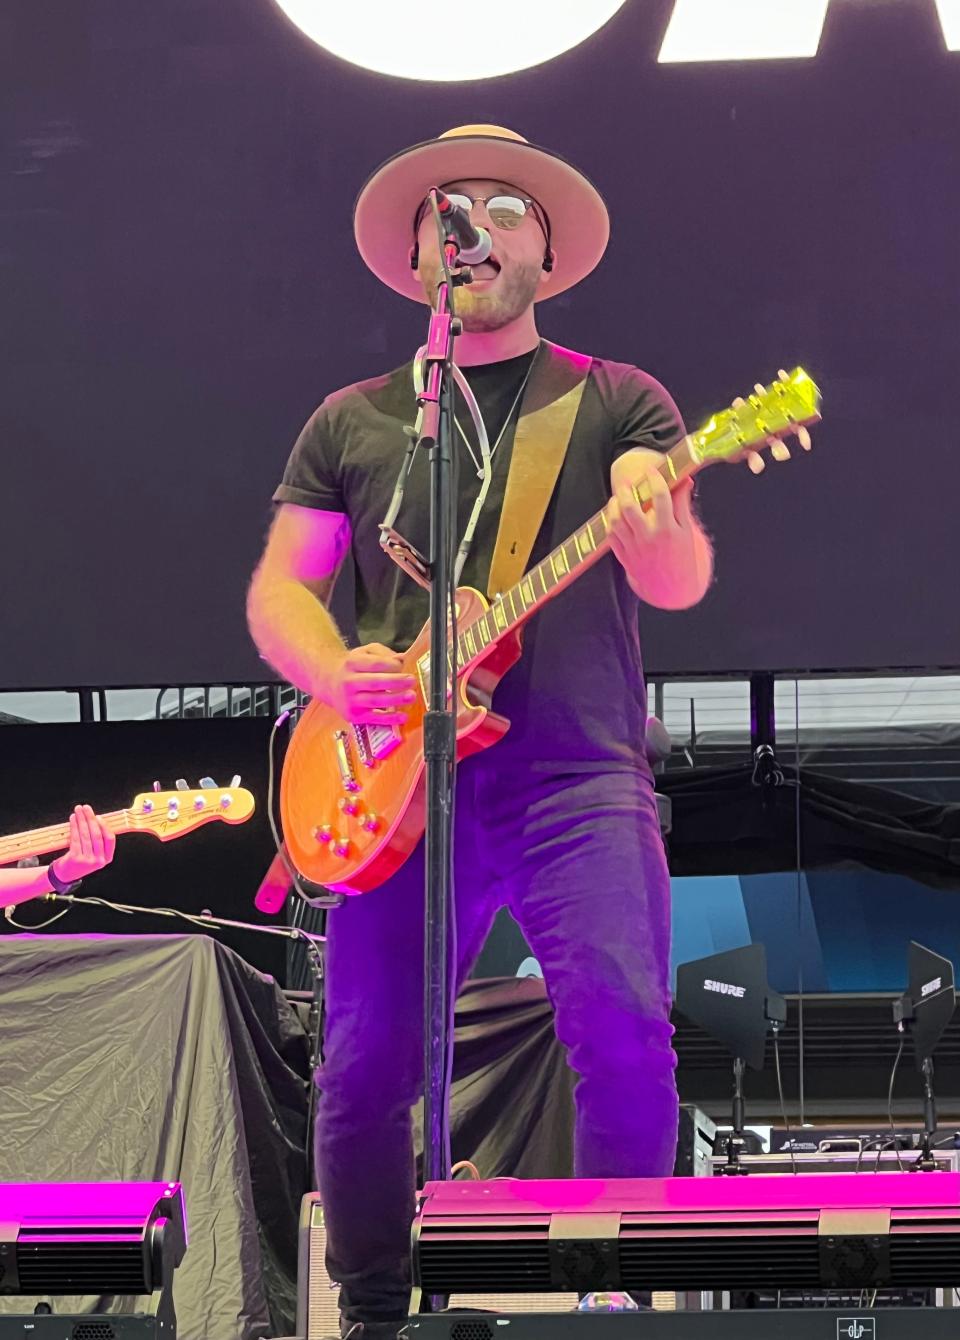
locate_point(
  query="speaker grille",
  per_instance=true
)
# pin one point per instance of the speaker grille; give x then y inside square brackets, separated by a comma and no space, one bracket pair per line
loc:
[495,1266]
[323,1312]
[93,1330]
[928,1261]
[476,1328]
[718,1263]
[81,1267]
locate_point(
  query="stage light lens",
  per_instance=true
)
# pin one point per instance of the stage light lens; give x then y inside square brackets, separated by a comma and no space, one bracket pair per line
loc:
[702,30]
[950,20]
[477,41]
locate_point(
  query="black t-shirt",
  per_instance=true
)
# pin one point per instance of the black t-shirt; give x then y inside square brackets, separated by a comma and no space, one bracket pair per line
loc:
[576,699]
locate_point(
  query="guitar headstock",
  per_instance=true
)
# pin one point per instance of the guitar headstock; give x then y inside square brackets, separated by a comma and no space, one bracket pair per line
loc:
[170,814]
[787,405]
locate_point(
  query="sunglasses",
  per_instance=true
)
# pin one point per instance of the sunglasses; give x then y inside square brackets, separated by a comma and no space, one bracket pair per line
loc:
[504,211]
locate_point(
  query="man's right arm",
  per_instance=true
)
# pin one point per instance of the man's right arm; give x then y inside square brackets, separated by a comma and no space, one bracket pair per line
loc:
[295,632]
[287,602]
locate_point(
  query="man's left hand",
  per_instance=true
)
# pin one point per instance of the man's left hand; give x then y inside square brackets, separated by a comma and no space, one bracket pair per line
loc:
[91,846]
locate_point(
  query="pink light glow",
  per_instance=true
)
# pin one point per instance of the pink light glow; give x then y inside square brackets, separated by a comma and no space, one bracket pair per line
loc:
[51,1205]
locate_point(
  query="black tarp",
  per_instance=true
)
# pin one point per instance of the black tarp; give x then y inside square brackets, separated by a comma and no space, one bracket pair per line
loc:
[511,1107]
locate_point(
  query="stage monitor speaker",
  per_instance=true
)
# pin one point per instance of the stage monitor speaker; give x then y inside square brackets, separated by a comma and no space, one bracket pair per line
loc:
[847,1230]
[318,1314]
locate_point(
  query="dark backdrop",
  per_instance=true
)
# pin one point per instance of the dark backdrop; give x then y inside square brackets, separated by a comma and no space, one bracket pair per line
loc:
[180,290]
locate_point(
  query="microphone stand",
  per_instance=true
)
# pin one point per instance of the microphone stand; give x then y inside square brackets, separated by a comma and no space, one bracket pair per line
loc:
[439,727]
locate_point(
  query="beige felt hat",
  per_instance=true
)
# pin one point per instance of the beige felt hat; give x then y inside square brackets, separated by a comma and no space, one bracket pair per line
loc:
[388,202]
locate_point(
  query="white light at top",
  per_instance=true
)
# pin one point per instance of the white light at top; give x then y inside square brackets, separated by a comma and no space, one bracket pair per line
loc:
[950,19]
[701,30]
[449,42]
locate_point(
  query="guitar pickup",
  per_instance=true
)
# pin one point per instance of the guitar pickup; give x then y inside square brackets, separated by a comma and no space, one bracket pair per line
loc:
[375,742]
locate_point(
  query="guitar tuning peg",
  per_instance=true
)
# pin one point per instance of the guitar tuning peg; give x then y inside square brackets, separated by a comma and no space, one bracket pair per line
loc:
[759,388]
[235,780]
[779,450]
[183,784]
[783,374]
[156,786]
[207,783]
[755,462]
[803,437]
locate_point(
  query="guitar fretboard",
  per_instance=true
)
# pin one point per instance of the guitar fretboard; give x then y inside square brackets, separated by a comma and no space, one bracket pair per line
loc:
[39,841]
[561,566]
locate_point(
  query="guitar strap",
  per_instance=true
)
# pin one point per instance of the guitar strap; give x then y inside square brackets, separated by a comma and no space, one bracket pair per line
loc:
[547,416]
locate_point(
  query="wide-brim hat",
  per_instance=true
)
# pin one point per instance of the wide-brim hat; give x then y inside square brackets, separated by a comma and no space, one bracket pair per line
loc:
[384,214]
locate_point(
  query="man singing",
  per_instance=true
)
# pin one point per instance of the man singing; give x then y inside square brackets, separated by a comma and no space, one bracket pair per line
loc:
[557,821]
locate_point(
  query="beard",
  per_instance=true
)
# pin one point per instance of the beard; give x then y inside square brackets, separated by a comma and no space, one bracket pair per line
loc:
[509,296]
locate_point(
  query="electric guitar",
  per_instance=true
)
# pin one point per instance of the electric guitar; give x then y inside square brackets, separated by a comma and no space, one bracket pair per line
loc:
[352,796]
[165,814]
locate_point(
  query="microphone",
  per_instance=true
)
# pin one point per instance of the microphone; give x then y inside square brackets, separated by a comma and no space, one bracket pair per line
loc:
[475,244]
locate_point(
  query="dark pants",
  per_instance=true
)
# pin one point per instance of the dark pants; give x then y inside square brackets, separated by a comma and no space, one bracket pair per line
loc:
[579,861]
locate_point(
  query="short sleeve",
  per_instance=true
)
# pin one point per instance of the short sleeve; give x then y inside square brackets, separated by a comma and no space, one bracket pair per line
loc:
[312,477]
[644,414]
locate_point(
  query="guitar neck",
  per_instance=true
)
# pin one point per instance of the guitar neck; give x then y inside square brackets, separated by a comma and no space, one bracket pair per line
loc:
[563,565]
[40,841]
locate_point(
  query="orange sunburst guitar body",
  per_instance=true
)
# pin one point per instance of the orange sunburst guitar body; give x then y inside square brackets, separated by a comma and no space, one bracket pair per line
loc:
[352,796]
[353,834]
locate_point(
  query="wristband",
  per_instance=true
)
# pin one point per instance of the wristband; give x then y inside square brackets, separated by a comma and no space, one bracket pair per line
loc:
[60,885]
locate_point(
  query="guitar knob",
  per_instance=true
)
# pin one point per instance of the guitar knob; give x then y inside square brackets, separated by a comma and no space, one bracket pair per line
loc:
[324,833]
[341,847]
[350,805]
[371,823]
